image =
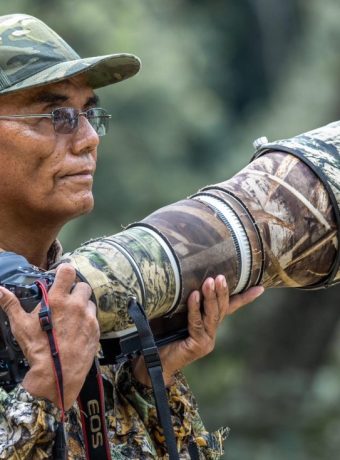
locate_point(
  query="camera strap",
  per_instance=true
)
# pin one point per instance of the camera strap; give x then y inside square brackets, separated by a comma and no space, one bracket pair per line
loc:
[154,367]
[45,318]
[90,400]
[92,413]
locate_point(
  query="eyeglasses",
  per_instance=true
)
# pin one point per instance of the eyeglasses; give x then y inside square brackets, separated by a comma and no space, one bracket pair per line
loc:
[66,119]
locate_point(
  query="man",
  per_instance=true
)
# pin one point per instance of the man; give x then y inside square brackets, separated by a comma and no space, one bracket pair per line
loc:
[49,134]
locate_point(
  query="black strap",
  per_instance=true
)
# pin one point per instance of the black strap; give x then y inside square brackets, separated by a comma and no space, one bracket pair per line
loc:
[193,450]
[46,325]
[45,318]
[91,398]
[154,367]
[60,443]
[92,410]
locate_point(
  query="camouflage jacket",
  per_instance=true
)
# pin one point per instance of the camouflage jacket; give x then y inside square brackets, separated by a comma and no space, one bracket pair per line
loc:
[28,424]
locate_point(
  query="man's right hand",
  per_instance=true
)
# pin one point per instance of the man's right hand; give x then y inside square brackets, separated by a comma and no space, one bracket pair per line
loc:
[77,331]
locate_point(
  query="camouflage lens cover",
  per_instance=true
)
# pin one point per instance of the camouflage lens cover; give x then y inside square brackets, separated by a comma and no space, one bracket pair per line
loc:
[320,150]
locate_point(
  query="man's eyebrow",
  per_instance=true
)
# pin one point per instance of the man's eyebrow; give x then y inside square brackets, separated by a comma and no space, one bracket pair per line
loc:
[93,101]
[55,98]
[50,98]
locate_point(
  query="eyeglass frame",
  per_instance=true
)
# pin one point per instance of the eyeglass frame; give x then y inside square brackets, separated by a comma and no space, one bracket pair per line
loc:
[51,116]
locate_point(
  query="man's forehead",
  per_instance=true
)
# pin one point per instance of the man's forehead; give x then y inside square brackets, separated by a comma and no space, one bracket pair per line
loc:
[66,89]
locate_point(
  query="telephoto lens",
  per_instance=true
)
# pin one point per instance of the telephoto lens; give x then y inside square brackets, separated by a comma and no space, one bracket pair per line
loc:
[276,223]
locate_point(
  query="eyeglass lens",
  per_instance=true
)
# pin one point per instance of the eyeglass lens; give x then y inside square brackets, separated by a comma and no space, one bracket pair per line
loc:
[66,119]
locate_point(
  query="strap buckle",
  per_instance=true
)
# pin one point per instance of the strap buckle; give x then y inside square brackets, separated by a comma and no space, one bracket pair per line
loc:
[45,319]
[151,357]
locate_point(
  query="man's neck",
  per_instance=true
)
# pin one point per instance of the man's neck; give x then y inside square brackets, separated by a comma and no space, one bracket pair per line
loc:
[33,244]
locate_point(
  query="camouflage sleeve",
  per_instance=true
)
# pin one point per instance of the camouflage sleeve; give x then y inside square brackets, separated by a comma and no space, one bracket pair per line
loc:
[27,425]
[133,424]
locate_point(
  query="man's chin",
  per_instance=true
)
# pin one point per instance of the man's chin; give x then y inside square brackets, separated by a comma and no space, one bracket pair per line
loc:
[86,207]
[63,209]
[80,207]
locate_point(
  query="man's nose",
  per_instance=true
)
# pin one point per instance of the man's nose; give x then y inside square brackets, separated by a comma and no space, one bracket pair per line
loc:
[85,138]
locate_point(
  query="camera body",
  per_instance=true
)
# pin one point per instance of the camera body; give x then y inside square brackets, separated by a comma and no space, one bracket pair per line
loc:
[20,277]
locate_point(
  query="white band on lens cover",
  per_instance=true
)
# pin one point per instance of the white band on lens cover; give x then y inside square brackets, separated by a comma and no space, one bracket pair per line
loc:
[230,218]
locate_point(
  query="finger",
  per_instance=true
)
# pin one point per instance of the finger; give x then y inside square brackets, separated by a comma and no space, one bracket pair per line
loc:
[239,300]
[211,315]
[195,321]
[222,293]
[92,307]
[11,305]
[82,290]
[64,279]
[82,294]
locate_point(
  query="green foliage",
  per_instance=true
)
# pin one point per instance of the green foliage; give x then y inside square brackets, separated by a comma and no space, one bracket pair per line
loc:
[215,76]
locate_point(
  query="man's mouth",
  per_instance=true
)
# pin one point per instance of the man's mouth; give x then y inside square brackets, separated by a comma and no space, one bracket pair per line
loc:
[83,174]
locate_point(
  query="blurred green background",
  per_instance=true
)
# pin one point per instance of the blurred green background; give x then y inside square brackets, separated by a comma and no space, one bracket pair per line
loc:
[216,75]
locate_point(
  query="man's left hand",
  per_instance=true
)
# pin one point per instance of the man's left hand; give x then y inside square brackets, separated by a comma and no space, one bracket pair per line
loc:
[202,327]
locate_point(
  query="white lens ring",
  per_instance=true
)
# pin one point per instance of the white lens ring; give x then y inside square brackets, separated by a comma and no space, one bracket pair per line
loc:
[242,245]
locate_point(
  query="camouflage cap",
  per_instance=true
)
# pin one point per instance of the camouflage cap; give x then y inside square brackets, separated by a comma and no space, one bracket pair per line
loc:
[32,54]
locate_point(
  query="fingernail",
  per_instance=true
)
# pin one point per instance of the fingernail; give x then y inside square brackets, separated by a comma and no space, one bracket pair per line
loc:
[224,282]
[212,284]
[197,297]
[1,294]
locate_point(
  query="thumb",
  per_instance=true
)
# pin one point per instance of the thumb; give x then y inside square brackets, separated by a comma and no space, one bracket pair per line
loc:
[10,304]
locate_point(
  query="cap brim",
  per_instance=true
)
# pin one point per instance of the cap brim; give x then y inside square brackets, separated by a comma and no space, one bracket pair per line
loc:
[99,71]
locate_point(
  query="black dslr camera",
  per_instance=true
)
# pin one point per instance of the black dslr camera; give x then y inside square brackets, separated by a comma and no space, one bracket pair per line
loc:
[18,276]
